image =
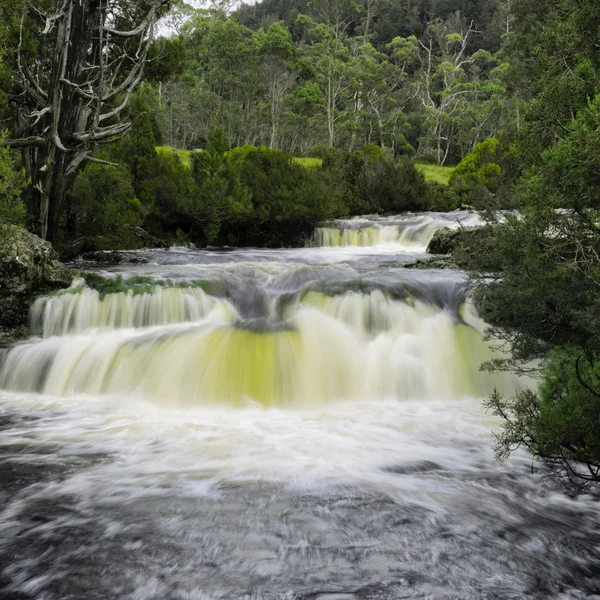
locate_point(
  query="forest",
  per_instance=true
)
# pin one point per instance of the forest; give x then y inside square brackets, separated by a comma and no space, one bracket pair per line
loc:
[340,85]
[247,126]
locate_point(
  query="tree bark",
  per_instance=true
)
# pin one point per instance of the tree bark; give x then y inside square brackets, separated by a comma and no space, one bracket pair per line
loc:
[68,104]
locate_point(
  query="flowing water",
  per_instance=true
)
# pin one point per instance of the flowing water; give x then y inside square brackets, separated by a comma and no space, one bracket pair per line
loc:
[274,424]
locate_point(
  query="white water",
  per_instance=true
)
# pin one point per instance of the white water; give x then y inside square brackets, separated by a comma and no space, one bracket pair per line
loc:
[313,430]
[412,232]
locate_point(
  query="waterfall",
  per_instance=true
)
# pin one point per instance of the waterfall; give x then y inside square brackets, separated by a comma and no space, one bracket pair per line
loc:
[410,231]
[83,308]
[181,346]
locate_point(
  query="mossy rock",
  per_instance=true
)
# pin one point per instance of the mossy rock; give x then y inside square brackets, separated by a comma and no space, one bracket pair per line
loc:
[444,241]
[29,267]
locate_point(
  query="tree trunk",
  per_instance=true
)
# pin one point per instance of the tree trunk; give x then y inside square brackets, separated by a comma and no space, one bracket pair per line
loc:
[85,92]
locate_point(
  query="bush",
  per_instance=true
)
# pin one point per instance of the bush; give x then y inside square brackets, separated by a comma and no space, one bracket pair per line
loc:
[441,198]
[483,178]
[368,182]
[102,205]
[560,422]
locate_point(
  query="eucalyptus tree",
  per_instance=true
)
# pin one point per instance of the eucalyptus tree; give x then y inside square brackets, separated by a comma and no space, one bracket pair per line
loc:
[225,60]
[378,86]
[329,61]
[277,66]
[72,93]
[441,85]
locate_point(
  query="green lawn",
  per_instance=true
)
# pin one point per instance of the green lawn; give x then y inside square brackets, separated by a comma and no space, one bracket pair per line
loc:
[435,173]
[184,155]
[308,163]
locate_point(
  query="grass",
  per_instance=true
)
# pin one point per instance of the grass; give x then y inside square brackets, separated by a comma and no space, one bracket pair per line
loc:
[308,163]
[435,173]
[184,155]
[186,158]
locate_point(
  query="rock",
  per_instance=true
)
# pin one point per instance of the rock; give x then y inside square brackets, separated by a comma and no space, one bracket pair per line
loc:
[444,241]
[29,267]
[435,262]
[106,257]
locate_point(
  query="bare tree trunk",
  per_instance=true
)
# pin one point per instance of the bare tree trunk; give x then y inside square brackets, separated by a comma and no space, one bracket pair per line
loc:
[70,103]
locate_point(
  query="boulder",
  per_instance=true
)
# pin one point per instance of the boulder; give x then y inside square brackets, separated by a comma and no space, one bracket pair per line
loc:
[29,267]
[444,241]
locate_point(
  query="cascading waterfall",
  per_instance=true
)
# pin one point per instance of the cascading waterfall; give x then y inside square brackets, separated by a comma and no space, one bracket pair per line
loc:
[181,346]
[411,231]
[82,308]
[249,423]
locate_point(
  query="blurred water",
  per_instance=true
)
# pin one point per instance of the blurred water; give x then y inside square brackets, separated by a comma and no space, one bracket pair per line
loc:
[295,424]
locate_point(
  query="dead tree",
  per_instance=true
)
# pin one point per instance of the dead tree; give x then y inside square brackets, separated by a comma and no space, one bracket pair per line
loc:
[75,95]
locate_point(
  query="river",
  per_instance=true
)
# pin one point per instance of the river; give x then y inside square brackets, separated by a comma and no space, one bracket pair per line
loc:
[300,424]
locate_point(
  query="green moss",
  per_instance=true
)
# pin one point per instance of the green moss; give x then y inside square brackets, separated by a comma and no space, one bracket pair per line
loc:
[11,335]
[139,284]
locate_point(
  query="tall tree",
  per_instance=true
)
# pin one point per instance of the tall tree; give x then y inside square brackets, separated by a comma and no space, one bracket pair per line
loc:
[73,94]
[277,53]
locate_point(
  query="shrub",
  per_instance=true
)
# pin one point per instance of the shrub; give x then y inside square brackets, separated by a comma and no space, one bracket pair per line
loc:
[368,182]
[102,204]
[483,178]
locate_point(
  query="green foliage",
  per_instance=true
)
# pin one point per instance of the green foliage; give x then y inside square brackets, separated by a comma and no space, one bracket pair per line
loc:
[560,422]
[12,183]
[440,197]
[483,178]
[184,155]
[167,184]
[218,194]
[103,205]
[571,169]
[368,182]
[539,275]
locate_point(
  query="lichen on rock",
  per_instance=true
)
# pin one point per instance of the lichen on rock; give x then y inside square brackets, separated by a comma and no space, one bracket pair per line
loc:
[29,267]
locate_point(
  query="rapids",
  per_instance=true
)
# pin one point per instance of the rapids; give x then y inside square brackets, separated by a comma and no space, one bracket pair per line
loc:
[410,230]
[274,424]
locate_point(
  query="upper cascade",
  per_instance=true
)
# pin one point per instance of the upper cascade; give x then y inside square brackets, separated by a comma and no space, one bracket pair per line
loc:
[411,231]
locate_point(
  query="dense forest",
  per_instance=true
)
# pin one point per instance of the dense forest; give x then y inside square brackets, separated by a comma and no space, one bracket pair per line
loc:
[339,81]
[416,78]
[196,137]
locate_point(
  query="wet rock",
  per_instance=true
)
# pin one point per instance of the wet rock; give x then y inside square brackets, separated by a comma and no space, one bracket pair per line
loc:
[444,241]
[29,267]
[114,257]
[435,262]
[454,241]
[105,257]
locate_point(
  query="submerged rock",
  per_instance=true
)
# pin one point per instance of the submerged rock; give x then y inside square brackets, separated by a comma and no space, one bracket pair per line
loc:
[29,267]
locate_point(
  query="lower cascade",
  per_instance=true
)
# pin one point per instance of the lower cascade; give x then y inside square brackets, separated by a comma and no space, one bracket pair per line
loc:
[184,347]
